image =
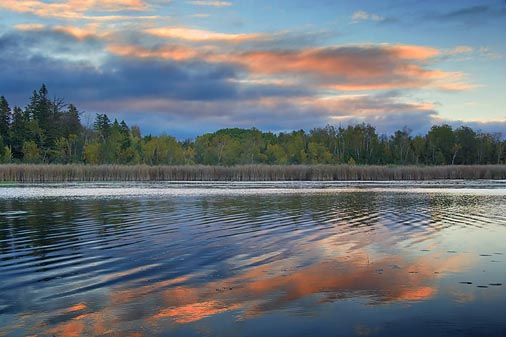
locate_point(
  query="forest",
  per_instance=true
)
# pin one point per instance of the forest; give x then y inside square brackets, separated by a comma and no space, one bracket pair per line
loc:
[50,131]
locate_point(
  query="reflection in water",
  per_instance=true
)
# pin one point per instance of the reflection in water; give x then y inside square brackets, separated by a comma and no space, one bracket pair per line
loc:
[352,263]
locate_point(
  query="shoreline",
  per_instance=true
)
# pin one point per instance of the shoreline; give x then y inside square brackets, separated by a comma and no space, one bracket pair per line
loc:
[40,173]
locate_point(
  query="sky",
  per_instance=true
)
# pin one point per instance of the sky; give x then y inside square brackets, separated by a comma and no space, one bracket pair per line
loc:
[186,67]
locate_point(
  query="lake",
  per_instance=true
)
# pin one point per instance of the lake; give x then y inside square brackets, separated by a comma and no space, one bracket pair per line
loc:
[253,259]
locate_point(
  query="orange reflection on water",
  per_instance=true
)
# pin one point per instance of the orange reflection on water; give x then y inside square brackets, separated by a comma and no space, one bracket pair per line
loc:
[195,311]
[128,295]
[77,307]
[266,288]
[73,328]
[418,294]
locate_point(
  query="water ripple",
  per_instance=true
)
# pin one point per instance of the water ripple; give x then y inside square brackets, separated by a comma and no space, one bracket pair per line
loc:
[185,258]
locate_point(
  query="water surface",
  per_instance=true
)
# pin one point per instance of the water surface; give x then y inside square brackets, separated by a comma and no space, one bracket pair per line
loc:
[253,259]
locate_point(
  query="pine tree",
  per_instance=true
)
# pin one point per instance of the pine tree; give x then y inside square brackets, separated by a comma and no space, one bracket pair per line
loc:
[5,118]
[18,132]
[102,125]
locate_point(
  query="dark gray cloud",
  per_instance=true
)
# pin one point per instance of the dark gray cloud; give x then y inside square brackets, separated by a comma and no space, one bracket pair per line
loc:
[179,117]
[419,122]
[464,12]
[494,127]
[477,14]
[114,78]
[187,97]
[84,73]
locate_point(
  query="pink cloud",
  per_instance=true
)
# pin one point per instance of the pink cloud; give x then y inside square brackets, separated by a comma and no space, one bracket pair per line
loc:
[72,9]
[77,32]
[342,68]
[173,52]
[189,34]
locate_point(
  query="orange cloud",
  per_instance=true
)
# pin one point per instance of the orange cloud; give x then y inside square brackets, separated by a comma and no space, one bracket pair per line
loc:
[174,52]
[343,68]
[211,3]
[73,9]
[457,86]
[115,5]
[454,81]
[353,67]
[356,67]
[200,15]
[200,35]
[363,105]
[348,62]
[413,52]
[29,26]
[78,33]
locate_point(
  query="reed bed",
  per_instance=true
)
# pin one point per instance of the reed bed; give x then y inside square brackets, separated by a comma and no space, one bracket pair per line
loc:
[27,173]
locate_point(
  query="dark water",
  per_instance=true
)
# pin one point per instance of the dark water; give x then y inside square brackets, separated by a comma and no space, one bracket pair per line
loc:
[253,261]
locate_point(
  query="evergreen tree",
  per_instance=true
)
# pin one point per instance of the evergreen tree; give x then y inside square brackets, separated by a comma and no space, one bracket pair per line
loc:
[5,119]
[19,132]
[71,122]
[103,126]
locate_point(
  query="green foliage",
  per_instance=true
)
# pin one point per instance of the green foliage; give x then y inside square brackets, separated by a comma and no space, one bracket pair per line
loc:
[5,117]
[92,153]
[50,131]
[163,150]
[441,141]
[7,155]
[31,152]
[102,125]
[276,154]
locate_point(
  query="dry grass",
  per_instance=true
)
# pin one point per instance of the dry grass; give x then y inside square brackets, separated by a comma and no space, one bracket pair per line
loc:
[62,173]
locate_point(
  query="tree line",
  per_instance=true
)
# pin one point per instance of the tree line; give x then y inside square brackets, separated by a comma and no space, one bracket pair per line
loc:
[50,131]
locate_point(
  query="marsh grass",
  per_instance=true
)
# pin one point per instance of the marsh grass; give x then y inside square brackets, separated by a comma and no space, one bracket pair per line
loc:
[64,173]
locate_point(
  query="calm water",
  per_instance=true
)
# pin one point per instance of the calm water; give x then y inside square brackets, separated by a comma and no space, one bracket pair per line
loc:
[253,259]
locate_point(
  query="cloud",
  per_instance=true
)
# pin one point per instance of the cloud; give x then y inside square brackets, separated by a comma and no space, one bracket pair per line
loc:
[29,26]
[57,58]
[497,127]
[465,12]
[171,52]
[184,33]
[356,67]
[365,16]
[467,53]
[211,3]
[275,113]
[77,32]
[174,86]
[458,50]
[351,67]
[75,9]
[479,14]
[489,53]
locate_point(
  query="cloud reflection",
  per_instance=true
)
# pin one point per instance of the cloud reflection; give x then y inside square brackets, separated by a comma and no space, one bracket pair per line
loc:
[267,288]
